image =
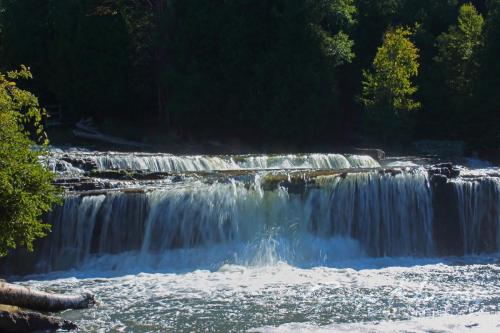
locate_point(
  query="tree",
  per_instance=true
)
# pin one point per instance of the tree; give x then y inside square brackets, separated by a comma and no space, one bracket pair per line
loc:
[458,49]
[26,187]
[387,91]
[270,70]
[396,63]
[257,70]
[486,102]
[88,57]
[457,67]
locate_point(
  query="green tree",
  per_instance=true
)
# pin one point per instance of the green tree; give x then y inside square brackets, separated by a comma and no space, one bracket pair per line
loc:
[458,49]
[457,69]
[484,129]
[387,90]
[88,55]
[26,187]
[390,84]
[259,70]
[79,51]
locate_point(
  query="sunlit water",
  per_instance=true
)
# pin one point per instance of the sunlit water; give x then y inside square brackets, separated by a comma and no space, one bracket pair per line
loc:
[236,298]
[353,252]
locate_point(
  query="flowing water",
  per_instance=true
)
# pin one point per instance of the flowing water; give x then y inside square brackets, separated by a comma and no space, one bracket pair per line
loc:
[270,243]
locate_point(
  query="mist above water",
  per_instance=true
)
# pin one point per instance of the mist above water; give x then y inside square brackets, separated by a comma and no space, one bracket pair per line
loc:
[281,242]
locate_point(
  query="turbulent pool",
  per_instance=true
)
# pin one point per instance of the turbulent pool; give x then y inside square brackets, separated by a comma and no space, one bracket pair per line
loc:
[271,243]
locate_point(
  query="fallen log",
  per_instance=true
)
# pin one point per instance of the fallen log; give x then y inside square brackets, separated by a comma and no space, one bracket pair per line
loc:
[86,130]
[17,321]
[11,294]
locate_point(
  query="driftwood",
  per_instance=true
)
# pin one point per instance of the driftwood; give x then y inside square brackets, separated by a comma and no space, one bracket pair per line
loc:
[86,129]
[11,294]
[14,320]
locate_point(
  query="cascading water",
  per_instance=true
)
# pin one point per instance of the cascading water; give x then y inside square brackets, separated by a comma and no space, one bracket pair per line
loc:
[68,161]
[368,209]
[380,214]
[478,203]
[234,242]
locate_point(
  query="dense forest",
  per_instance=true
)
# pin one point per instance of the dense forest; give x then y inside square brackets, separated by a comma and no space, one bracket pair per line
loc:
[303,71]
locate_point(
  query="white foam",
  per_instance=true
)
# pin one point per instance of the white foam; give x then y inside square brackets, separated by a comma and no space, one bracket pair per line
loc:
[401,164]
[161,162]
[318,299]
[476,322]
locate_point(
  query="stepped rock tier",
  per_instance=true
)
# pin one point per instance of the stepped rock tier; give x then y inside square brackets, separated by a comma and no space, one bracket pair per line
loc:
[169,212]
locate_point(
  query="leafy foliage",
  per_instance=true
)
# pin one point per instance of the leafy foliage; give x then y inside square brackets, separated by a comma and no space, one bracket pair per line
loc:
[388,90]
[277,70]
[396,63]
[485,97]
[272,60]
[458,49]
[26,189]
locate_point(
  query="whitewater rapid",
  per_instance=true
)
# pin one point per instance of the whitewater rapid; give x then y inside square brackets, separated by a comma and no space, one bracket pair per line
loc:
[271,243]
[283,298]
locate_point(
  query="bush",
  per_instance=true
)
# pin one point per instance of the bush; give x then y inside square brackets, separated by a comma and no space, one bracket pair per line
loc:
[26,187]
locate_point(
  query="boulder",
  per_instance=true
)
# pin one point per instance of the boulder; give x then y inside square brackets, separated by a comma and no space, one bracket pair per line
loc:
[14,320]
[444,169]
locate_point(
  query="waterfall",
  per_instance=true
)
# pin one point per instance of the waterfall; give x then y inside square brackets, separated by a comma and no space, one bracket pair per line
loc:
[293,208]
[362,161]
[478,203]
[72,161]
[375,214]
[311,161]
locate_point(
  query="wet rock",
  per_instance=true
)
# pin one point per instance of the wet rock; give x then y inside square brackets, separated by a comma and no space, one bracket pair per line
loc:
[294,187]
[446,165]
[390,171]
[446,230]
[85,164]
[377,154]
[294,183]
[177,179]
[438,180]
[444,169]
[60,167]
[395,172]
[82,184]
[16,321]
[141,175]
[92,193]
[112,174]
[90,186]
[128,175]
[63,181]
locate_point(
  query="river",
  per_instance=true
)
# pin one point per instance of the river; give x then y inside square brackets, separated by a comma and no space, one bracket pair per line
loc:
[272,243]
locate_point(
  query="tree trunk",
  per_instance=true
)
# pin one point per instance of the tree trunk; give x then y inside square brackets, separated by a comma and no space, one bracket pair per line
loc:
[160,60]
[159,56]
[13,320]
[23,297]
